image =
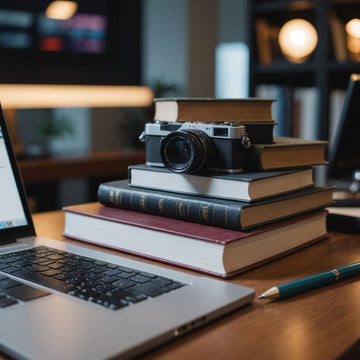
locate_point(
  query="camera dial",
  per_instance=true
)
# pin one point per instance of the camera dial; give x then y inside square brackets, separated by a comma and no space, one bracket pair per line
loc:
[186,151]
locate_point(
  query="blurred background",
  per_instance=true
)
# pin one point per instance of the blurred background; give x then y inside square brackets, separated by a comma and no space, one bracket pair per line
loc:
[69,139]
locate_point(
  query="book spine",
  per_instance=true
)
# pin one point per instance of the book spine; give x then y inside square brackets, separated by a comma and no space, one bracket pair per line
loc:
[193,210]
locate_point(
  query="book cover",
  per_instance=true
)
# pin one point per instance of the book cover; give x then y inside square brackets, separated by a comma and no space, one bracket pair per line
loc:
[236,215]
[263,42]
[244,186]
[213,110]
[338,37]
[285,152]
[219,252]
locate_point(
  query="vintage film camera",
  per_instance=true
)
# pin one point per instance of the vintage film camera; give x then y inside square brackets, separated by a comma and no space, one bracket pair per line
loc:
[191,147]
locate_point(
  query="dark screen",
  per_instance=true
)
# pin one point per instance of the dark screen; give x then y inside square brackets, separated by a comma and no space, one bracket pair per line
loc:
[344,157]
[99,45]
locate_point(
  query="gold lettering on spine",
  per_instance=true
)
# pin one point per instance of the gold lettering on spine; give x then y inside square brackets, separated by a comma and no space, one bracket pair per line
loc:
[143,202]
[161,205]
[117,197]
[205,212]
[181,208]
[111,196]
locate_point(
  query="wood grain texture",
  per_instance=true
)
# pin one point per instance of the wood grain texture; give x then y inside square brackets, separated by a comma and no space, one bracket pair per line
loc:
[320,324]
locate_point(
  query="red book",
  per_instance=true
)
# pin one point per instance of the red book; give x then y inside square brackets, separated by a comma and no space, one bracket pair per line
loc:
[204,248]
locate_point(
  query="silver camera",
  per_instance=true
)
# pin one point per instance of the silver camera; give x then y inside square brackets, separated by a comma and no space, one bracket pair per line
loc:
[191,147]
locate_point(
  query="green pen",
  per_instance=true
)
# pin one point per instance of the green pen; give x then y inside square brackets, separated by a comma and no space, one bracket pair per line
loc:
[311,282]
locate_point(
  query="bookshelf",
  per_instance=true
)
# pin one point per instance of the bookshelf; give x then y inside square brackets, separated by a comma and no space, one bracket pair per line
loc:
[325,71]
[42,176]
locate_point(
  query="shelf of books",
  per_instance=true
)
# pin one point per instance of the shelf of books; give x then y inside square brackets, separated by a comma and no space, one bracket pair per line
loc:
[294,80]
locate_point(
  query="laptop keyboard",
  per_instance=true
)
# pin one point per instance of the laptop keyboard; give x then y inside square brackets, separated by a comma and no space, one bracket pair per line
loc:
[110,285]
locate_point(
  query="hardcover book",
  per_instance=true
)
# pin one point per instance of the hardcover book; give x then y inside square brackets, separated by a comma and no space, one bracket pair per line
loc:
[213,110]
[244,186]
[203,248]
[285,152]
[235,215]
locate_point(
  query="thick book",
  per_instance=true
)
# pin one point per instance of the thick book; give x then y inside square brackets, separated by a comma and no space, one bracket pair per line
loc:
[286,152]
[244,186]
[213,110]
[212,250]
[235,215]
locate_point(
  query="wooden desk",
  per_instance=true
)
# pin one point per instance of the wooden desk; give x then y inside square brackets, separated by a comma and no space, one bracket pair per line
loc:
[320,324]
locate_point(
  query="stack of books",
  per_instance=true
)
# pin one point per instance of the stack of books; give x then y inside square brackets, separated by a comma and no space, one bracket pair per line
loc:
[217,223]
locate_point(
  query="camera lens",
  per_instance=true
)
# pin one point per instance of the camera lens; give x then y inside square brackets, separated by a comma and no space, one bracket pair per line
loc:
[185,151]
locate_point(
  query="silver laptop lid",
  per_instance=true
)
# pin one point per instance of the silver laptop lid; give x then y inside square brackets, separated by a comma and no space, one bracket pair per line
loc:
[15,217]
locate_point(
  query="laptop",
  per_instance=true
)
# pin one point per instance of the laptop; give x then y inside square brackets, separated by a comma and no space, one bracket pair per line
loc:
[62,300]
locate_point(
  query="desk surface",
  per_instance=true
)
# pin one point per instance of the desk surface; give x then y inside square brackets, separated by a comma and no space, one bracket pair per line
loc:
[321,324]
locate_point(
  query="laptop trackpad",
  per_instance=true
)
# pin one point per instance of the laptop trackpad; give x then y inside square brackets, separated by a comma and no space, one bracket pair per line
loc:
[56,327]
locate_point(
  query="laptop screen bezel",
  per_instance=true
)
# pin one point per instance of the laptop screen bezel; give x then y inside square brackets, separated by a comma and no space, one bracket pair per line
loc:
[13,233]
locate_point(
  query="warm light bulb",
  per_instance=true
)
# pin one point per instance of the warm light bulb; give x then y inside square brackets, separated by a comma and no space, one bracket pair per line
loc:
[353,28]
[61,10]
[353,39]
[297,40]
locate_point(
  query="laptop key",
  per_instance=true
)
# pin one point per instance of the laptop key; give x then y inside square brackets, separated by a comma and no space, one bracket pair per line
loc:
[25,292]
[127,295]
[51,272]
[86,278]
[5,302]
[8,283]
[110,302]
[126,275]
[148,289]
[174,285]
[41,279]
[124,284]
[10,269]
[140,279]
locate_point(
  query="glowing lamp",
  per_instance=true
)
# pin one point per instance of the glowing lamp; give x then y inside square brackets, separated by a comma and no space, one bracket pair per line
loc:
[352,29]
[61,10]
[297,39]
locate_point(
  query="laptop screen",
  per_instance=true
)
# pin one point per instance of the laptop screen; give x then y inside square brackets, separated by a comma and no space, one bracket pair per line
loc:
[15,219]
[11,210]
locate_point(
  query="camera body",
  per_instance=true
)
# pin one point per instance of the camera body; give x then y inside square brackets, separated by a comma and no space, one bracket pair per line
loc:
[189,147]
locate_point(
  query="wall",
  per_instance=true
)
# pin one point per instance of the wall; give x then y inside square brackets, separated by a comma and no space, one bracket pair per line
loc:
[165,31]
[180,39]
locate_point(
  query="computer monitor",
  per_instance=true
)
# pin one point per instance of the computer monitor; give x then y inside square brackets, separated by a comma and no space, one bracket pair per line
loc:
[344,157]
[99,45]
